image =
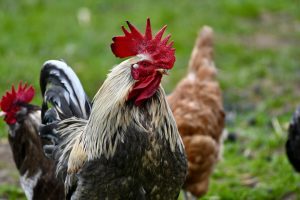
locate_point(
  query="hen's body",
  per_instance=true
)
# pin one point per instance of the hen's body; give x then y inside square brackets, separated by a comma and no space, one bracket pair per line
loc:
[197,106]
[37,172]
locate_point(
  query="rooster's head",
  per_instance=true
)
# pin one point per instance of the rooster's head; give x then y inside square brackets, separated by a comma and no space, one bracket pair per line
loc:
[13,101]
[152,57]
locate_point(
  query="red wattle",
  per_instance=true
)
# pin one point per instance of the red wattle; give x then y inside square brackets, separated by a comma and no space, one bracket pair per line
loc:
[144,89]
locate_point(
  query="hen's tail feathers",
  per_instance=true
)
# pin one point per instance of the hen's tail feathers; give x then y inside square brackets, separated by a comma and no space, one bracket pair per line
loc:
[293,142]
[62,89]
[201,62]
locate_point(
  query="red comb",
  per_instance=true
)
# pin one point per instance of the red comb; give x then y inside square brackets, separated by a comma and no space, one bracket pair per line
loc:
[10,100]
[134,43]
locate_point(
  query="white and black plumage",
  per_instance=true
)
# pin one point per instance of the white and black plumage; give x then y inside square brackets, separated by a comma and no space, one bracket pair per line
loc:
[61,88]
[293,143]
[65,86]
[129,146]
[37,172]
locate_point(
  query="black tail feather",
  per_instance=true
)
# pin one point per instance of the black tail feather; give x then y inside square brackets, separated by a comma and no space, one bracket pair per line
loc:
[62,89]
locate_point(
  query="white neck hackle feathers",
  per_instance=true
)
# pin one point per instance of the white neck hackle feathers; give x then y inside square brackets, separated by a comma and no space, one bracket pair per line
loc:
[104,117]
[110,116]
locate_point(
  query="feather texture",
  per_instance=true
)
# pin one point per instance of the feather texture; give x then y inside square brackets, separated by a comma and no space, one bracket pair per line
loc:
[61,87]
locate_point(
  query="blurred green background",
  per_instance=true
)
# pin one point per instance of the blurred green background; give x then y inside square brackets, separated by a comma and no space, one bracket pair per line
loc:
[257,52]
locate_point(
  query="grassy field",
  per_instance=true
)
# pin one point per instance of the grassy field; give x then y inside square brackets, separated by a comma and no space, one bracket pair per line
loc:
[257,54]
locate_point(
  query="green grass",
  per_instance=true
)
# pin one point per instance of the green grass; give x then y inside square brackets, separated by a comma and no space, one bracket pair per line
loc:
[257,53]
[11,192]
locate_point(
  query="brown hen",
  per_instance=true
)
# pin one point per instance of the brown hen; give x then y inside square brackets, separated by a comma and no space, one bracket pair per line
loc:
[197,106]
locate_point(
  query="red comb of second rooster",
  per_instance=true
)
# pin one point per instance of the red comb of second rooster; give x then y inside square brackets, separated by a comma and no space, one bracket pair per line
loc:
[134,43]
[11,101]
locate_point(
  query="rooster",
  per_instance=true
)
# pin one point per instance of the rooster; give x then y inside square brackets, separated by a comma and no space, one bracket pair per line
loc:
[128,146]
[293,143]
[196,103]
[37,173]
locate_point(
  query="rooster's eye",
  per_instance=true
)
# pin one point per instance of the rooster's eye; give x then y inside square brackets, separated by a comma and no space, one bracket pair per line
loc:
[135,66]
[144,63]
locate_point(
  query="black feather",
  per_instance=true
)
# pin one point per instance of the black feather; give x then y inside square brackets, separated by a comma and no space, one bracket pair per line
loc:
[293,142]
[62,89]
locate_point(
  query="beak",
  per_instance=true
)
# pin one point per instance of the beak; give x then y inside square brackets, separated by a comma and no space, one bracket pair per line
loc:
[2,114]
[163,71]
